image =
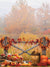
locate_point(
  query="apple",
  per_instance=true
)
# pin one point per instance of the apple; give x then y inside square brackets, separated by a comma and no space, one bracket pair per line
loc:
[30,63]
[9,55]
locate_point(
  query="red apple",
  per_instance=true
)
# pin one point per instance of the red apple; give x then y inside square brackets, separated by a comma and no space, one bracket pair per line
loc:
[16,55]
[9,55]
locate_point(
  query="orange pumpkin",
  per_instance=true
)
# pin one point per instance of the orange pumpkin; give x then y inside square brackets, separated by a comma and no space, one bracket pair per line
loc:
[44,57]
[44,61]
[7,62]
[49,61]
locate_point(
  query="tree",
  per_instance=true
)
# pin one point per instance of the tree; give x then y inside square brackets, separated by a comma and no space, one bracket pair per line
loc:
[20,19]
[24,18]
[43,17]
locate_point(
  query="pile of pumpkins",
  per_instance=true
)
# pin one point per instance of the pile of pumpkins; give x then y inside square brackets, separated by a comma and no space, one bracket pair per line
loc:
[14,60]
[44,61]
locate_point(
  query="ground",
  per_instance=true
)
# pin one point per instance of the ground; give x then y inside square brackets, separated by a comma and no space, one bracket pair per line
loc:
[25,56]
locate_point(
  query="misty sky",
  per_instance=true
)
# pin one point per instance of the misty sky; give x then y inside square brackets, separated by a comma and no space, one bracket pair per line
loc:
[6,5]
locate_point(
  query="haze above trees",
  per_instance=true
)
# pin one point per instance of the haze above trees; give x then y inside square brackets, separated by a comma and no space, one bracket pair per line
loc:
[24,18]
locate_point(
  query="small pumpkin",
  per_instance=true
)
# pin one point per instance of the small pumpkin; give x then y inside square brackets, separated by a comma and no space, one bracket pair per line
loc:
[13,63]
[7,62]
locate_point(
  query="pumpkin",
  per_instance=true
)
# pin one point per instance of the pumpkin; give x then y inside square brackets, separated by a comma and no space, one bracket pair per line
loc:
[7,62]
[13,63]
[44,61]
[48,61]
[44,57]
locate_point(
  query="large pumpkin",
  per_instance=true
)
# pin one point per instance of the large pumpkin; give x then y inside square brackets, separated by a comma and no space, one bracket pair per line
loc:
[43,57]
[44,61]
[48,61]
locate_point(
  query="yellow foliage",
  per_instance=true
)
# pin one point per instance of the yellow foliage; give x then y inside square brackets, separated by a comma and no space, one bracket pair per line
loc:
[28,36]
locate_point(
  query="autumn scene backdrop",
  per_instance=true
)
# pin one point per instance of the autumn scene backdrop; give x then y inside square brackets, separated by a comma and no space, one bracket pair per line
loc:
[23,18]
[25,21]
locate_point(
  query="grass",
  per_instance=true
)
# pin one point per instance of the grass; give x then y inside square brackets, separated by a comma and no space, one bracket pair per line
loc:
[25,56]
